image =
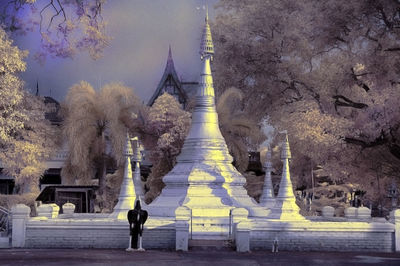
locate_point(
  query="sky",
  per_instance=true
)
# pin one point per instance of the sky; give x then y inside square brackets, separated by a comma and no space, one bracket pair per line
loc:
[141,30]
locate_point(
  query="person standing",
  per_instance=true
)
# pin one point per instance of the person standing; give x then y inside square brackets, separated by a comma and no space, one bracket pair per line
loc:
[136,217]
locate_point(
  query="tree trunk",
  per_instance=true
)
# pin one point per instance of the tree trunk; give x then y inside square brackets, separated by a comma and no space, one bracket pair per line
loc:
[379,192]
[103,167]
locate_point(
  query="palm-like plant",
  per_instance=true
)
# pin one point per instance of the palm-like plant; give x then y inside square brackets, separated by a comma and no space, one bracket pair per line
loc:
[93,119]
[240,131]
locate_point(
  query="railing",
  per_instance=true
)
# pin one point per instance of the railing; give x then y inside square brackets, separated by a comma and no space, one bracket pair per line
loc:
[230,235]
[5,227]
[191,224]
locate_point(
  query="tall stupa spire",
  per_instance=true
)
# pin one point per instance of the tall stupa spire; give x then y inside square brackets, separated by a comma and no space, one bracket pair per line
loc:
[204,179]
[206,45]
[205,135]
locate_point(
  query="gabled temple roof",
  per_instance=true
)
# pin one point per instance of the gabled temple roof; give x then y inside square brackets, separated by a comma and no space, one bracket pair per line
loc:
[53,115]
[169,75]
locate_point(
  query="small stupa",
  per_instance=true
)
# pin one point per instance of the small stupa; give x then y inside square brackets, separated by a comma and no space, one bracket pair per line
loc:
[267,198]
[204,179]
[285,207]
[137,180]
[127,195]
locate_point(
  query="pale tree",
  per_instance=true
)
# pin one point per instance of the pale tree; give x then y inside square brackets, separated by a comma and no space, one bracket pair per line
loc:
[167,124]
[95,120]
[241,132]
[66,26]
[27,139]
[326,71]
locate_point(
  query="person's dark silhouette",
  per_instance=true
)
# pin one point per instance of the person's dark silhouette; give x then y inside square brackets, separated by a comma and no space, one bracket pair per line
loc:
[136,217]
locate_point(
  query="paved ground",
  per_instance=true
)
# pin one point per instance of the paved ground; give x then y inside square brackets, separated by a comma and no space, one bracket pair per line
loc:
[72,257]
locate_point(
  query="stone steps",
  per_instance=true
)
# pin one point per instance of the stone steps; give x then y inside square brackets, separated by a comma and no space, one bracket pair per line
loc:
[4,242]
[209,236]
[207,244]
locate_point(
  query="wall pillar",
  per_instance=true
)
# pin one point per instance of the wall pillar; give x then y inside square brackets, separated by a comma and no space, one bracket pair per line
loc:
[20,214]
[238,215]
[182,219]
[243,236]
[397,229]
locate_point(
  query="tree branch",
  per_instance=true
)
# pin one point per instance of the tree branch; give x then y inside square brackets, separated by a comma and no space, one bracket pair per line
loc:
[380,140]
[343,101]
[384,18]
[359,82]
[392,49]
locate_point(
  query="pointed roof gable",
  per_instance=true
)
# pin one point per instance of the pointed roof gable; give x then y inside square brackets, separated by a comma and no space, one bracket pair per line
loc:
[169,73]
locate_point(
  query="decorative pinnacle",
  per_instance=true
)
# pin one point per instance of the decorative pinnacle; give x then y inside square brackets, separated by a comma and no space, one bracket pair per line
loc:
[137,156]
[206,20]
[286,154]
[170,61]
[128,148]
[206,46]
[268,163]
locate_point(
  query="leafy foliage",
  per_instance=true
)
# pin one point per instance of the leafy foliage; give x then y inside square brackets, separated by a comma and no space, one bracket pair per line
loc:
[168,124]
[27,139]
[66,26]
[7,201]
[326,71]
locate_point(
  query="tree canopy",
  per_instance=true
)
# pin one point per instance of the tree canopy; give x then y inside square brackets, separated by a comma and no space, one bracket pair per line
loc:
[92,118]
[327,71]
[167,125]
[66,27]
[27,139]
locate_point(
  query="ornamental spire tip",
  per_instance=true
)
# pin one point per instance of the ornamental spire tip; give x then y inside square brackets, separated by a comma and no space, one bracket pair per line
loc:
[206,14]
[206,46]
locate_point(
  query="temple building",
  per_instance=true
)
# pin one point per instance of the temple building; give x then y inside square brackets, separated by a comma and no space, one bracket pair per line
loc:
[170,83]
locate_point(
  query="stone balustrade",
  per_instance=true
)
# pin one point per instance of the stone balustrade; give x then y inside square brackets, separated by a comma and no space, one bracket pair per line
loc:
[49,211]
[68,210]
[363,213]
[350,213]
[328,211]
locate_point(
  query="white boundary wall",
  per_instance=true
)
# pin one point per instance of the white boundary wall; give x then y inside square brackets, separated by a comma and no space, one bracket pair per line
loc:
[97,231]
[85,231]
[326,236]
[316,236]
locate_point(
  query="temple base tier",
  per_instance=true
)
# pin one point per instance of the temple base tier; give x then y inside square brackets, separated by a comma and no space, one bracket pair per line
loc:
[209,189]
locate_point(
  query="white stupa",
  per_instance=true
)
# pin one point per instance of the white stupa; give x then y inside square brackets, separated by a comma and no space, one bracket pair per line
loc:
[267,198]
[204,179]
[137,180]
[127,195]
[285,207]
